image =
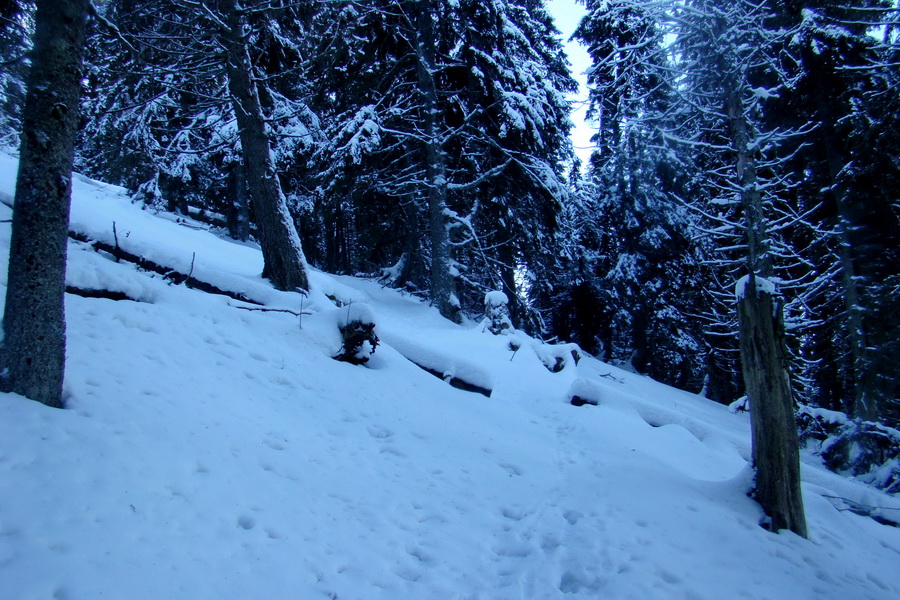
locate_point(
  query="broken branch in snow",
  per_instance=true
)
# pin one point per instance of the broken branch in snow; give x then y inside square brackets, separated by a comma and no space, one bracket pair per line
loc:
[282,310]
[864,510]
[116,238]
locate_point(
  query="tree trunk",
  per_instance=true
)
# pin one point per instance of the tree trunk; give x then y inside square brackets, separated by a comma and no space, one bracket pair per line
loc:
[774,431]
[865,404]
[283,261]
[507,257]
[412,269]
[239,204]
[776,451]
[34,343]
[443,283]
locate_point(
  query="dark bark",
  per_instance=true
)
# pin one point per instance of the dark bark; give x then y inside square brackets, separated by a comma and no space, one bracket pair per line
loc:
[239,209]
[774,432]
[864,402]
[411,271]
[104,294]
[776,451]
[283,261]
[443,284]
[33,353]
[507,256]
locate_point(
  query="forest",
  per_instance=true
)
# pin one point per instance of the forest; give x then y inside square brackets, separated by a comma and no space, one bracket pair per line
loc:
[425,143]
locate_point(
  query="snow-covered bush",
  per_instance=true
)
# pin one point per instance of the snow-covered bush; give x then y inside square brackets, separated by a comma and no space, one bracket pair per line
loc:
[583,391]
[866,450]
[496,311]
[357,326]
[557,357]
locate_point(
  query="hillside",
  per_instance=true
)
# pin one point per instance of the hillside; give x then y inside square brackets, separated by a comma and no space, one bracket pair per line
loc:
[210,451]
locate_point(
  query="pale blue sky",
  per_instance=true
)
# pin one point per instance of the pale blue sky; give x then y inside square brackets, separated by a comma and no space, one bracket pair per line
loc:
[567,14]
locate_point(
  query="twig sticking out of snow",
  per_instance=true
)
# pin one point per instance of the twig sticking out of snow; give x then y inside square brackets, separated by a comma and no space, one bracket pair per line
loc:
[282,310]
[865,510]
[610,376]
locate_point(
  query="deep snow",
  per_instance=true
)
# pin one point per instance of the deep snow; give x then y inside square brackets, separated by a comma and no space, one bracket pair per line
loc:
[214,452]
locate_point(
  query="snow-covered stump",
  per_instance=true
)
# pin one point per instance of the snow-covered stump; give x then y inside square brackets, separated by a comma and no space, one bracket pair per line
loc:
[357,326]
[556,357]
[496,311]
[584,392]
[775,446]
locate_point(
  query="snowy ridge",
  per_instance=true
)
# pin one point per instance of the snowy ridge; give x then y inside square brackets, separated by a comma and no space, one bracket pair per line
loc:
[210,452]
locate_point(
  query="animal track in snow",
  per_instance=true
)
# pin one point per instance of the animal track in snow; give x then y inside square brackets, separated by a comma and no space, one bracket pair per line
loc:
[379,432]
[273,444]
[511,469]
[246,522]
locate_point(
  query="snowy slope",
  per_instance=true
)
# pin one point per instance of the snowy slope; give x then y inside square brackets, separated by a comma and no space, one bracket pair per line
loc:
[214,452]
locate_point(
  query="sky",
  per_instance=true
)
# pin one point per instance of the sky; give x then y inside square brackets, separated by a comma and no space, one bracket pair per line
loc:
[567,14]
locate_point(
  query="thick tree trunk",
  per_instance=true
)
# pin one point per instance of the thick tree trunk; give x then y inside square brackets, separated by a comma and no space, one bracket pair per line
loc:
[283,261]
[34,343]
[443,283]
[774,431]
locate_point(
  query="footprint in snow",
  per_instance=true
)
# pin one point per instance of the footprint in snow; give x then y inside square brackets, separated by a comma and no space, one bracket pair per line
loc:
[510,468]
[379,432]
[572,516]
[274,444]
[513,514]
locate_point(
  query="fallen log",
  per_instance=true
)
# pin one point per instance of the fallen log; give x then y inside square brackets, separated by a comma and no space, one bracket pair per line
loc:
[168,273]
[92,293]
[460,384]
[281,310]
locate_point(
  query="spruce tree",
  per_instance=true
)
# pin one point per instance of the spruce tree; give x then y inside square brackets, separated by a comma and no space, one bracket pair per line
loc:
[845,94]
[188,96]
[436,113]
[648,264]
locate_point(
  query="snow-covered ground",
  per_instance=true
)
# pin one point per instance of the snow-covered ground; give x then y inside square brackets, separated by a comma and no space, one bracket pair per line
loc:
[214,452]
